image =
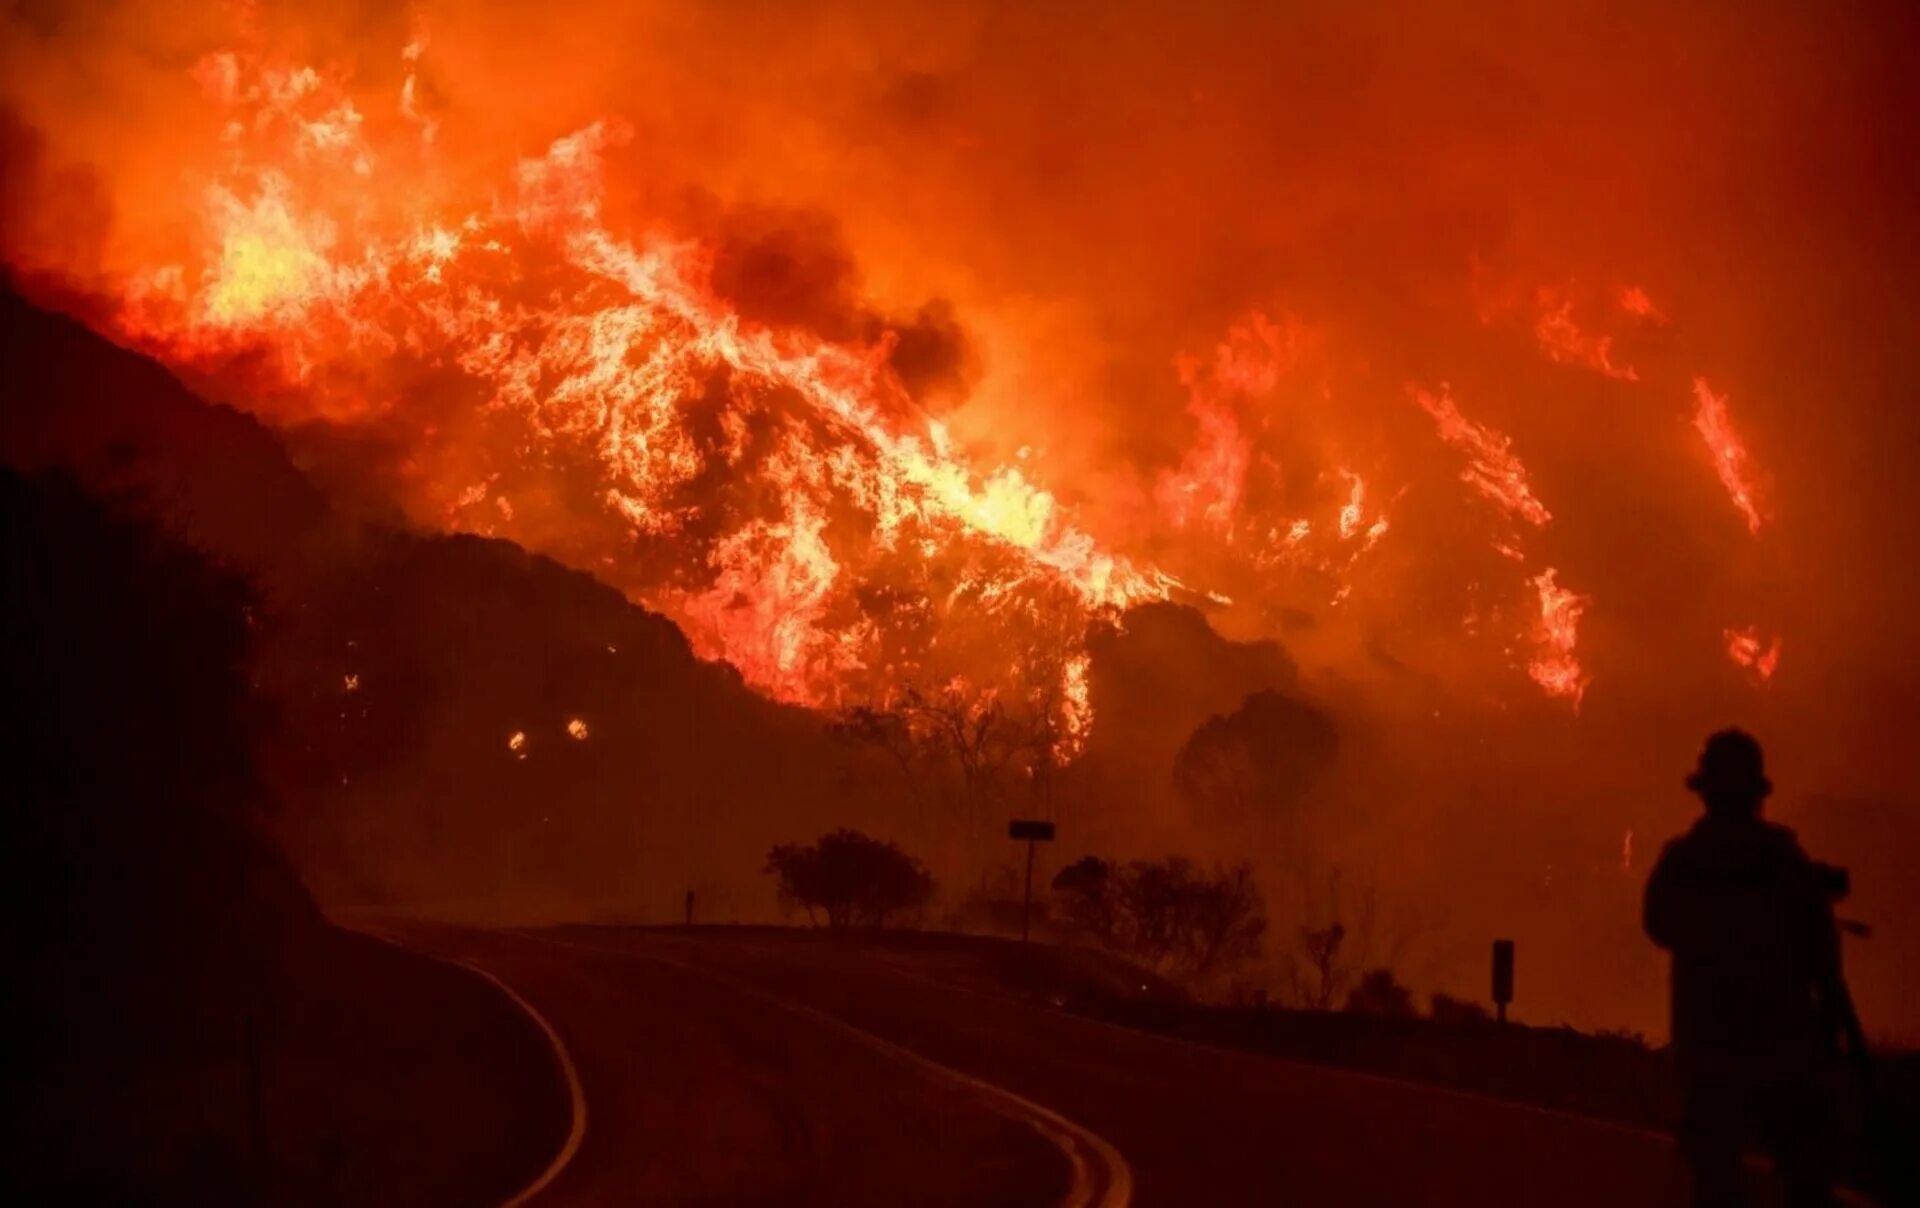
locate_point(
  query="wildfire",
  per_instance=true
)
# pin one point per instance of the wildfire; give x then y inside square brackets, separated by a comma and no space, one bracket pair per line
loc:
[1492,469]
[1635,301]
[1076,709]
[1205,490]
[604,349]
[1564,342]
[1555,665]
[559,372]
[1730,458]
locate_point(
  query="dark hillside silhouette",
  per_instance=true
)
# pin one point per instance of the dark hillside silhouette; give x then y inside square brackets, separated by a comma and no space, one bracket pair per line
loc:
[185,1027]
[130,834]
[402,665]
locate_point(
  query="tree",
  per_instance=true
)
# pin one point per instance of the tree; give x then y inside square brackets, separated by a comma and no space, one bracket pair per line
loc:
[1227,922]
[1168,913]
[1256,763]
[1321,945]
[851,878]
[1155,897]
[1087,891]
[1332,951]
[1380,993]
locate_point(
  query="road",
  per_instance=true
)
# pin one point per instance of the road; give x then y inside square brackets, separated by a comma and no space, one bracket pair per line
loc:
[720,1069]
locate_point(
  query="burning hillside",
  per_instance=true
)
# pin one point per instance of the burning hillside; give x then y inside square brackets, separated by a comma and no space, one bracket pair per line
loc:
[587,380]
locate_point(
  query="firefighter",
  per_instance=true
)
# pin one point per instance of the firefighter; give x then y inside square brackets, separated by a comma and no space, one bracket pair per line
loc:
[1749,920]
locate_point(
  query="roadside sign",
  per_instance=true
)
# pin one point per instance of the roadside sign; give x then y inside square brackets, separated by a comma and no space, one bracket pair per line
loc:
[1033,831]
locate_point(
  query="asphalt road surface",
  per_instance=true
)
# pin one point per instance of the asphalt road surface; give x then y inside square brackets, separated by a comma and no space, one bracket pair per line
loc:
[724,1069]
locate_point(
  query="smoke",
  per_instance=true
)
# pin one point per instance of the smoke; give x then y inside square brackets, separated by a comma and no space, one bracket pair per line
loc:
[1190,272]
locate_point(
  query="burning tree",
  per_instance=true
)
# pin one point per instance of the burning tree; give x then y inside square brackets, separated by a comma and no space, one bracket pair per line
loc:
[968,750]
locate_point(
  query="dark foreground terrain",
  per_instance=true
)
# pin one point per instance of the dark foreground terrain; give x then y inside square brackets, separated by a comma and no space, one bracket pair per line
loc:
[358,1074]
[754,1066]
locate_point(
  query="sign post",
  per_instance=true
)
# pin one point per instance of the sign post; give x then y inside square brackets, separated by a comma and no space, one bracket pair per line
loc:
[1032,831]
[1502,977]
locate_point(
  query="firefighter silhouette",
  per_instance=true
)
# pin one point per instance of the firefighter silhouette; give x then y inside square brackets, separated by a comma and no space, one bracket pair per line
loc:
[1756,983]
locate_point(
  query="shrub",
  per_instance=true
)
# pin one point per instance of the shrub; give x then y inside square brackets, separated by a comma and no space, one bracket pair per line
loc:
[850,877]
[1380,993]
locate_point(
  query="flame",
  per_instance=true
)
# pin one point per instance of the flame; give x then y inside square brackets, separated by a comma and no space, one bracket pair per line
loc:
[1565,343]
[1730,458]
[1076,710]
[1492,469]
[1748,649]
[604,348]
[1635,301]
[1555,665]
[564,375]
[1205,490]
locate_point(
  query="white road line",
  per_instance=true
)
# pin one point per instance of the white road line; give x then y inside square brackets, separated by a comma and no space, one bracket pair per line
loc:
[576,1095]
[1101,1177]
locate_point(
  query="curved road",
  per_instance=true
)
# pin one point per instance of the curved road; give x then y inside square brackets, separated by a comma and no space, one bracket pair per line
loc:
[729,1070]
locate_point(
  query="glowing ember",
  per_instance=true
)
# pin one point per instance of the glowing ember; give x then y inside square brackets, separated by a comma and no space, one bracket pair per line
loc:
[1730,458]
[577,730]
[1555,665]
[1749,650]
[517,743]
[350,682]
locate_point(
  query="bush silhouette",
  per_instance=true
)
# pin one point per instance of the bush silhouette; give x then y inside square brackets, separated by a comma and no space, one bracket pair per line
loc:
[1168,914]
[1380,993]
[850,877]
[1088,891]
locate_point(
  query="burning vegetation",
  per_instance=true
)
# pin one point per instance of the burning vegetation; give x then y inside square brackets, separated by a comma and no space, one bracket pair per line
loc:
[590,382]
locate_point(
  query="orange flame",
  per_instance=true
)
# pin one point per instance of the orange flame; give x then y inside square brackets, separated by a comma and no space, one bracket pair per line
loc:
[1635,301]
[605,346]
[1555,665]
[1730,458]
[1492,469]
[1749,650]
[1565,343]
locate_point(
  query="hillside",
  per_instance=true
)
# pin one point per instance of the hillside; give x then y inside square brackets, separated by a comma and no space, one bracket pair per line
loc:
[401,666]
